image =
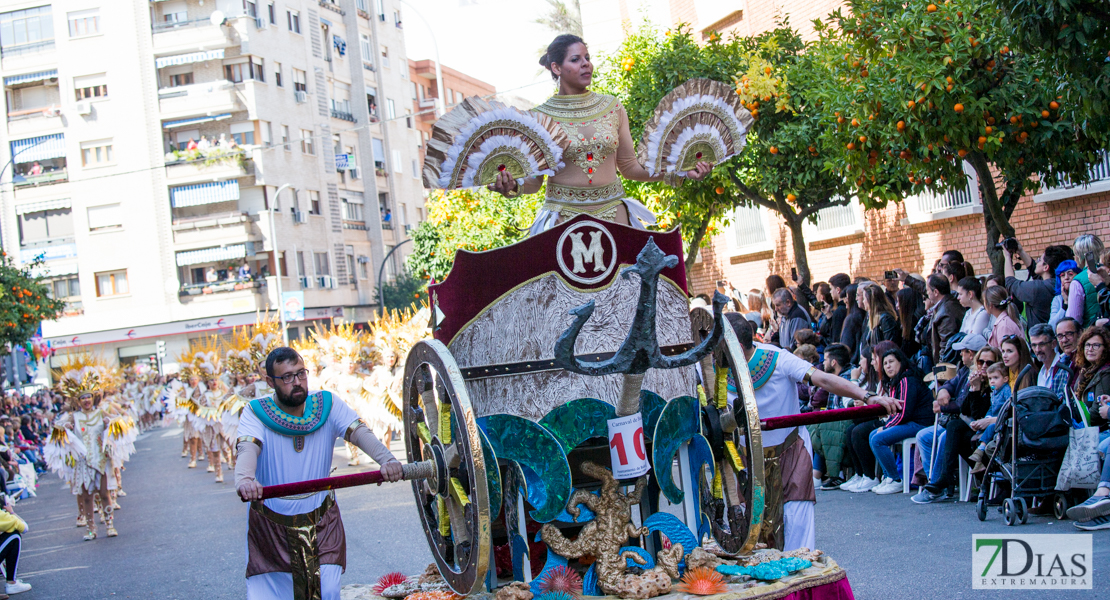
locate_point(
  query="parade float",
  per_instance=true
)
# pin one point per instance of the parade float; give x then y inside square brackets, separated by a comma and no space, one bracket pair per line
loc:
[567,428]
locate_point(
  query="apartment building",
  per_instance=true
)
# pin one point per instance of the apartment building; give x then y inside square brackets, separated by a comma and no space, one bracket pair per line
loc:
[425,90]
[176,163]
[910,234]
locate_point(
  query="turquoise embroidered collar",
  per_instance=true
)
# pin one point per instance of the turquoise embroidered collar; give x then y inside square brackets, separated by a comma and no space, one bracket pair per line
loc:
[762,366]
[317,407]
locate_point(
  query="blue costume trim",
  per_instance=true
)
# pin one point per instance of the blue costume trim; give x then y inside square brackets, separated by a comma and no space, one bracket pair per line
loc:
[317,407]
[762,366]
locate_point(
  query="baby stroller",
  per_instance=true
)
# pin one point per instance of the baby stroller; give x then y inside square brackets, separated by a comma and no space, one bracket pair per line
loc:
[1032,438]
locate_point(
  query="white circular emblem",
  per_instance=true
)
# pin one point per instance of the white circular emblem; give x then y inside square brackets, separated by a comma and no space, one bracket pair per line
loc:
[591,254]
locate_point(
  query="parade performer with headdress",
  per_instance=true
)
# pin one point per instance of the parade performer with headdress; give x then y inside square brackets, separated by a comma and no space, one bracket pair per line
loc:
[76,448]
[311,353]
[244,361]
[207,362]
[187,397]
[788,517]
[296,547]
[121,431]
[341,346]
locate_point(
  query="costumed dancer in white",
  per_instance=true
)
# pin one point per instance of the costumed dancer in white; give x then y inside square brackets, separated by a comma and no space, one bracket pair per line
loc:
[289,438]
[790,495]
[342,347]
[244,360]
[120,433]
[208,364]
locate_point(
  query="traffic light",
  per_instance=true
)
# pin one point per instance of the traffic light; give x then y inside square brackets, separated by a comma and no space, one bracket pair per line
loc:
[161,350]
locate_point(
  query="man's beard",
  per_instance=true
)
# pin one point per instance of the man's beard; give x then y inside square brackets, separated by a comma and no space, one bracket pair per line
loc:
[296,396]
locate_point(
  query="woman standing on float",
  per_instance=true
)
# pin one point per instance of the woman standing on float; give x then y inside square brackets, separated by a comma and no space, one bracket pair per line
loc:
[600,144]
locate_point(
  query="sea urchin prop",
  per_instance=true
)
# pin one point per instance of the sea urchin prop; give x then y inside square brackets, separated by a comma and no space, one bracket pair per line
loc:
[702,582]
[561,579]
[388,580]
[557,596]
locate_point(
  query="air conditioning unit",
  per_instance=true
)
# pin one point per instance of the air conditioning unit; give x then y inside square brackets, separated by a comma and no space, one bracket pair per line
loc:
[84,108]
[354,172]
[306,283]
[260,23]
[301,97]
[52,111]
[327,282]
[381,17]
[300,217]
[408,228]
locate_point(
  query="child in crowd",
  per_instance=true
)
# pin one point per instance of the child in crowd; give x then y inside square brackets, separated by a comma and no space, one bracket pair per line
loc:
[998,379]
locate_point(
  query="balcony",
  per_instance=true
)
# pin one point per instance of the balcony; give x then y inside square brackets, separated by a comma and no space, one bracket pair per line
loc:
[192,166]
[199,99]
[356,225]
[58,175]
[215,229]
[254,286]
[29,55]
[1100,182]
[33,120]
[345,116]
[183,36]
[956,202]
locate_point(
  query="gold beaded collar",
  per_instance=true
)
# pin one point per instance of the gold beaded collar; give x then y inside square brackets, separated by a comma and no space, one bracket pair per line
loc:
[579,106]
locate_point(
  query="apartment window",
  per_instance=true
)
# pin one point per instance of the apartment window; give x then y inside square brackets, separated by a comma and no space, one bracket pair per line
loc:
[28,28]
[415,170]
[307,143]
[243,133]
[300,264]
[84,23]
[372,101]
[250,7]
[277,75]
[408,118]
[285,137]
[352,211]
[420,214]
[111,283]
[175,12]
[181,79]
[381,9]
[266,131]
[363,268]
[300,80]
[323,265]
[248,69]
[294,19]
[313,202]
[43,226]
[450,97]
[364,46]
[68,289]
[90,86]
[363,5]
[458,97]
[97,154]
[385,57]
[105,216]
[390,109]
[271,10]
[397,18]
[398,167]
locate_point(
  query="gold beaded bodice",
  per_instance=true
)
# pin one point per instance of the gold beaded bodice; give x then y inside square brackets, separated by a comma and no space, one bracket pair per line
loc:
[591,122]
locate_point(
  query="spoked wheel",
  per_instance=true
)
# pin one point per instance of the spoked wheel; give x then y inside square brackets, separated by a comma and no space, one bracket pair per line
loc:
[981,509]
[1060,506]
[454,505]
[1009,512]
[736,516]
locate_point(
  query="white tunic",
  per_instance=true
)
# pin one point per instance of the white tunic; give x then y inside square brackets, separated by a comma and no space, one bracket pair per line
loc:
[279,462]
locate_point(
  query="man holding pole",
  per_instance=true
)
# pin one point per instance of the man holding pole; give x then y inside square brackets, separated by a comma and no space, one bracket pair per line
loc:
[790,496]
[296,547]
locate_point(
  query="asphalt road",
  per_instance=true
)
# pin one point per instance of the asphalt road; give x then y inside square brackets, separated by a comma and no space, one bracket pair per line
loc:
[183,536]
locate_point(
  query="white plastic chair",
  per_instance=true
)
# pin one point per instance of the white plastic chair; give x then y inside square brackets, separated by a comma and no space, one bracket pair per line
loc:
[908,445]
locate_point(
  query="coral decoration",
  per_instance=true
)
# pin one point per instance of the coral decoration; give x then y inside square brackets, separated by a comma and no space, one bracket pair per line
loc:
[604,536]
[702,582]
[563,580]
[669,560]
[514,591]
[387,580]
[654,582]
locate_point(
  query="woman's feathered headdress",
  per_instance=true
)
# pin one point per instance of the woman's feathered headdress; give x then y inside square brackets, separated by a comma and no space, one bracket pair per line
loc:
[83,374]
[202,359]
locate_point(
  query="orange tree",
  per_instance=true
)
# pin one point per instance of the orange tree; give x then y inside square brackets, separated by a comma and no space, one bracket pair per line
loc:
[782,167]
[914,88]
[24,302]
[472,219]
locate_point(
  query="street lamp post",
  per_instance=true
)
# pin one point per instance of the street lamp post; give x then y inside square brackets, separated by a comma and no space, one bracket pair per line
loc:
[11,163]
[381,300]
[277,264]
[440,100]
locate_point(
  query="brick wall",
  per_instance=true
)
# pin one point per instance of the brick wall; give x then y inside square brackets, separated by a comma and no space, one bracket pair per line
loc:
[886,244]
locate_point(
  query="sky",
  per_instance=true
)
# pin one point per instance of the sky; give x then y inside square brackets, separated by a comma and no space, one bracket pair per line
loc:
[496,41]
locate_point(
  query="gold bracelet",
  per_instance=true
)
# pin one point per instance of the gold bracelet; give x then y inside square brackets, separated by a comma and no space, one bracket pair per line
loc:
[673,179]
[515,192]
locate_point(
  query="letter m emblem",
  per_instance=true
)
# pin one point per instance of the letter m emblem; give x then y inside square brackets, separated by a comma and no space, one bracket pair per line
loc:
[583,254]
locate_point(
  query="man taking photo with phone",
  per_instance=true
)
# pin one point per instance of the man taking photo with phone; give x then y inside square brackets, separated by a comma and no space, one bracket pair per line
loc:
[1037,293]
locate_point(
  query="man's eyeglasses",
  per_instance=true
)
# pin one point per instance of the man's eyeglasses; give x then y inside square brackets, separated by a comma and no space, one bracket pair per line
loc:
[1065,334]
[289,377]
[982,361]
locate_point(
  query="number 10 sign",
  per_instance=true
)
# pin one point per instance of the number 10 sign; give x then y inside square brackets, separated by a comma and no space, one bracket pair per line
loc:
[626,447]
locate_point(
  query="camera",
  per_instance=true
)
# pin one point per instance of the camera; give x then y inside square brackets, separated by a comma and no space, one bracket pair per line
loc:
[1010,244]
[890,275]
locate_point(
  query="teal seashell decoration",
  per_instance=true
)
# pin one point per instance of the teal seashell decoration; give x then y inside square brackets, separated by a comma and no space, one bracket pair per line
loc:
[579,420]
[679,421]
[540,457]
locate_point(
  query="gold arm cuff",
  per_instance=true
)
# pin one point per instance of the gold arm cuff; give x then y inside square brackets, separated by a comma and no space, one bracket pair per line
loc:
[352,428]
[673,179]
[248,439]
[809,374]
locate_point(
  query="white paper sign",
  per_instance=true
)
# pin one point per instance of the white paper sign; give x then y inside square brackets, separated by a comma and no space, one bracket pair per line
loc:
[626,447]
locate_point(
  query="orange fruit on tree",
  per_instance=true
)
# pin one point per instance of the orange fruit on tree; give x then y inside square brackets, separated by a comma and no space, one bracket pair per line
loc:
[962,153]
[1013,120]
[931,8]
[855,122]
[990,130]
[982,139]
[901,126]
[1044,114]
[851,146]
[958,108]
[774,150]
[863,139]
[911,104]
[1054,105]
[791,198]
[720,190]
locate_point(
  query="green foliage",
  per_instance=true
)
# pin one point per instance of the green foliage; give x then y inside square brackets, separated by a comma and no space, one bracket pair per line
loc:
[475,220]
[24,301]
[405,291]
[909,91]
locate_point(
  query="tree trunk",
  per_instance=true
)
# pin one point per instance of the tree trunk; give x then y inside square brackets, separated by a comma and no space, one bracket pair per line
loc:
[695,243]
[995,219]
[801,260]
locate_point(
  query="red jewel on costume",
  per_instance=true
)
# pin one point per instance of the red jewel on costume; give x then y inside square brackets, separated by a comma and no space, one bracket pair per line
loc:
[589,156]
[500,167]
[697,155]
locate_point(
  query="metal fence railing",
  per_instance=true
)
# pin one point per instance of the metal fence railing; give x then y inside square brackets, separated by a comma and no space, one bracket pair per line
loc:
[747,226]
[1100,171]
[837,217]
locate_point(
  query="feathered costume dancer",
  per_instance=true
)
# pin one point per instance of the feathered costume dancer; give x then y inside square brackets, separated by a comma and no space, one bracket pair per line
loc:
[392,336]
[342,347]
[311,356]
[244,360]
[121,431]
[76,450]
[203,396]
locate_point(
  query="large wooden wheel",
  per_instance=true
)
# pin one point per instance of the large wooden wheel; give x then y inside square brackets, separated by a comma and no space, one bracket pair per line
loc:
[454,505]
[735,507]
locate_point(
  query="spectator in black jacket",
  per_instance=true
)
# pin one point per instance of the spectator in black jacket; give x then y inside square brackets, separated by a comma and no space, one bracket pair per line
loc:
[839,284]
[854,323]
[882,325]
[910,307]
[1037,293]
[900,380]
[945,315]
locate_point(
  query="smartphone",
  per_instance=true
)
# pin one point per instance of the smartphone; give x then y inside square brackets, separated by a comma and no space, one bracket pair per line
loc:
[794,273]
[889,275]
[721,283]
[1092,261]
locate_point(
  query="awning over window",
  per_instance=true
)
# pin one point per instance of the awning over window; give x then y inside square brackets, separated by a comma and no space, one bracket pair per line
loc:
[38,148]
[204,193]
[206,255]
[31,207]
[194,121]
[184,59]
[29,77]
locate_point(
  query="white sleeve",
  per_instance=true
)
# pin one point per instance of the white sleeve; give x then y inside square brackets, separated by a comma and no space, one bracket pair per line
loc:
[250,425]
[341,416]
[793,367]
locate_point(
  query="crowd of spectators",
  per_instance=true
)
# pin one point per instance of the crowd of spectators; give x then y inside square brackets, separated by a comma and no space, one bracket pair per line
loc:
[956,349]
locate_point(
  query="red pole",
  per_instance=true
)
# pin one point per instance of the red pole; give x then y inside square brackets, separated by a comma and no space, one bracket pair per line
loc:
[822,416]
[321,485]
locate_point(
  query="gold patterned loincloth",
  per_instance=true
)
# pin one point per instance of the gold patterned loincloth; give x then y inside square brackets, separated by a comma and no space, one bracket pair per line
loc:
[296,544]
[788,473]
[569,201]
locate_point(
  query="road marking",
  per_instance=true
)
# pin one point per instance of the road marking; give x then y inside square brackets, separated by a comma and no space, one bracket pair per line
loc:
[172,432]
[36,573]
